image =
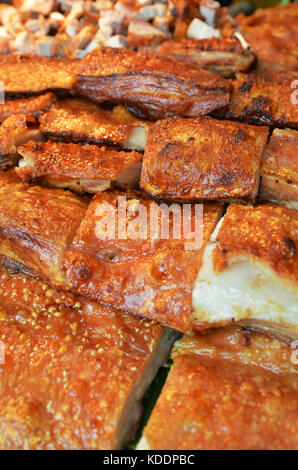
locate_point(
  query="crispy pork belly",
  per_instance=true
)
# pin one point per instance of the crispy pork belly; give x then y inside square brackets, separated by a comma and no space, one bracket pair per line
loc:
[36,225]
[227,390]
[249,272]
[27,75]
[155,87]
[133,254]
[32,106]
[224,56]
[81,121]
[74,372]
[272,32]
[82,168]
[264,102]
[203,158]
[14,131]
[280,168]
[8,177]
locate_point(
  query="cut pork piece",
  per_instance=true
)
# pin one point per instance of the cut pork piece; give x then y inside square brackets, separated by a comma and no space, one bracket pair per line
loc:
[154,87]
[36,225]
[227,390]
[82,168]
[73,373]
[249,273]
[280,168]
[82,121]
[32,106]
[9,177]
[203,158]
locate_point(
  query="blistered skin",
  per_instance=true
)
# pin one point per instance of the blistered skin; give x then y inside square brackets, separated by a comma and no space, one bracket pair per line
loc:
[264,102]
[203,158]
[280,167]
[32,106]
[155,87]
[220,55]
[71,368]
[59,164]
[33,75]
[36,225]
[78,120]
[148,272]
[227,390]
[272,33]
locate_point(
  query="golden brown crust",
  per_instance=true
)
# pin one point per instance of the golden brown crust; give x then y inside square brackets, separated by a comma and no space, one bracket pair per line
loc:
[203,158]
[32,106]
[36,225]
[8,177]
[268,234]
[227,390]
[149,277]
[156,87]
[70,367]
[79,120]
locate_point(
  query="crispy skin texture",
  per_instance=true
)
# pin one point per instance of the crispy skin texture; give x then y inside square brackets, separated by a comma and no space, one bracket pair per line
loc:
[227,390]
[151,276]
[264,102]
[273,34]
[70,368]
[272,239]
[224,56]
[32,106]
[8,177]
[36,225]
[79,120]
[156,87]
[203,158]
[56,163]
[33,75]
[280,167]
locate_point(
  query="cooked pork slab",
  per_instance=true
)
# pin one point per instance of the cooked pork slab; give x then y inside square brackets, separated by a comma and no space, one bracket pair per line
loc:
[8,177]
[249,273]
[280,168]
[155,87]
[82,168]
[220,55]
[31,106]
[14,131]
[36,225]
[135,255]
[82,121]
[74,372]
[264,102]
[227,390]
[33,75]
[203,158]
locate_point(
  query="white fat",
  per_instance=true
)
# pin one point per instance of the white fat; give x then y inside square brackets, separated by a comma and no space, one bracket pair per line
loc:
[137,138]
[242,41]
[244,290]
[200,30]
[143,444]
[89,186]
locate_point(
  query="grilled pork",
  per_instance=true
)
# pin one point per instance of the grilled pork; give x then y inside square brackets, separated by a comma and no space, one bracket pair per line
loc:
[280,168]
[227,390]
[203,158]
[82,121]
[32,106]
[154,87]
[73,373]
[82,168]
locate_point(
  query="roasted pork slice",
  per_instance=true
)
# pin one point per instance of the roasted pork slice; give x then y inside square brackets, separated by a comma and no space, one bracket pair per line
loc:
[72,372]
[79,120]
[280,168]
[27,75]
[31,106]
[249,271]
[227,390]
[8,177]
[36,225]
[82,168]
[203,158]
[154,87]
[14,131]
[264,102]
[134,254]
[224,56]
